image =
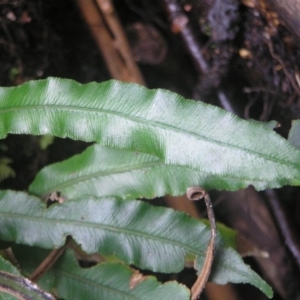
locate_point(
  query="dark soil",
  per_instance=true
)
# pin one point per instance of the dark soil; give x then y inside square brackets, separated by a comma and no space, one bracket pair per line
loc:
[253,62]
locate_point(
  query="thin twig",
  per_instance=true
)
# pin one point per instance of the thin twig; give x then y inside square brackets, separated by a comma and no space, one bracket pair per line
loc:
[282,64]
[258,89]
[47,263]
[284,225]
[225,102]
[180,24]
[197,193]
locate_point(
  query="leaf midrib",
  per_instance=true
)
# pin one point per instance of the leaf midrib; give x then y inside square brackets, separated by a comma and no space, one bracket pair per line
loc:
[76,277]
[92,283]
[103,227]
[94,175]
[160,125]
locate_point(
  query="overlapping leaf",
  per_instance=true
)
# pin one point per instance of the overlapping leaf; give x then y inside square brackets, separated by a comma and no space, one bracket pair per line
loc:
[9,268]
[12,283]
[100,171]
[148,237]
[109,281]
[157,122]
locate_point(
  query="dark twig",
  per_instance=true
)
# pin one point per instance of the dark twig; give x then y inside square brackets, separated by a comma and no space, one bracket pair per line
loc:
[249,90]
[180,24]
[225,102]
[196,193]
[293,81]
[284,225]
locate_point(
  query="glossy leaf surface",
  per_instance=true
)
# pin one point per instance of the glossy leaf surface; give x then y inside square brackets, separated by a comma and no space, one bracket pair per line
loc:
[154,238]
[179,132]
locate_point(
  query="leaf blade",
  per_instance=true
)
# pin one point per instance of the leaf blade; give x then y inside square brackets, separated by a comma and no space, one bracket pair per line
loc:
[103,281]
[14,286]
[152,238]
[100,171]
[180,132]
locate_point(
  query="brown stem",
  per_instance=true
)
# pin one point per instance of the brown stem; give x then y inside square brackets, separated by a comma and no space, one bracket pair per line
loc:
[120,40]
[47,263]
[197,193]
[111,40]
